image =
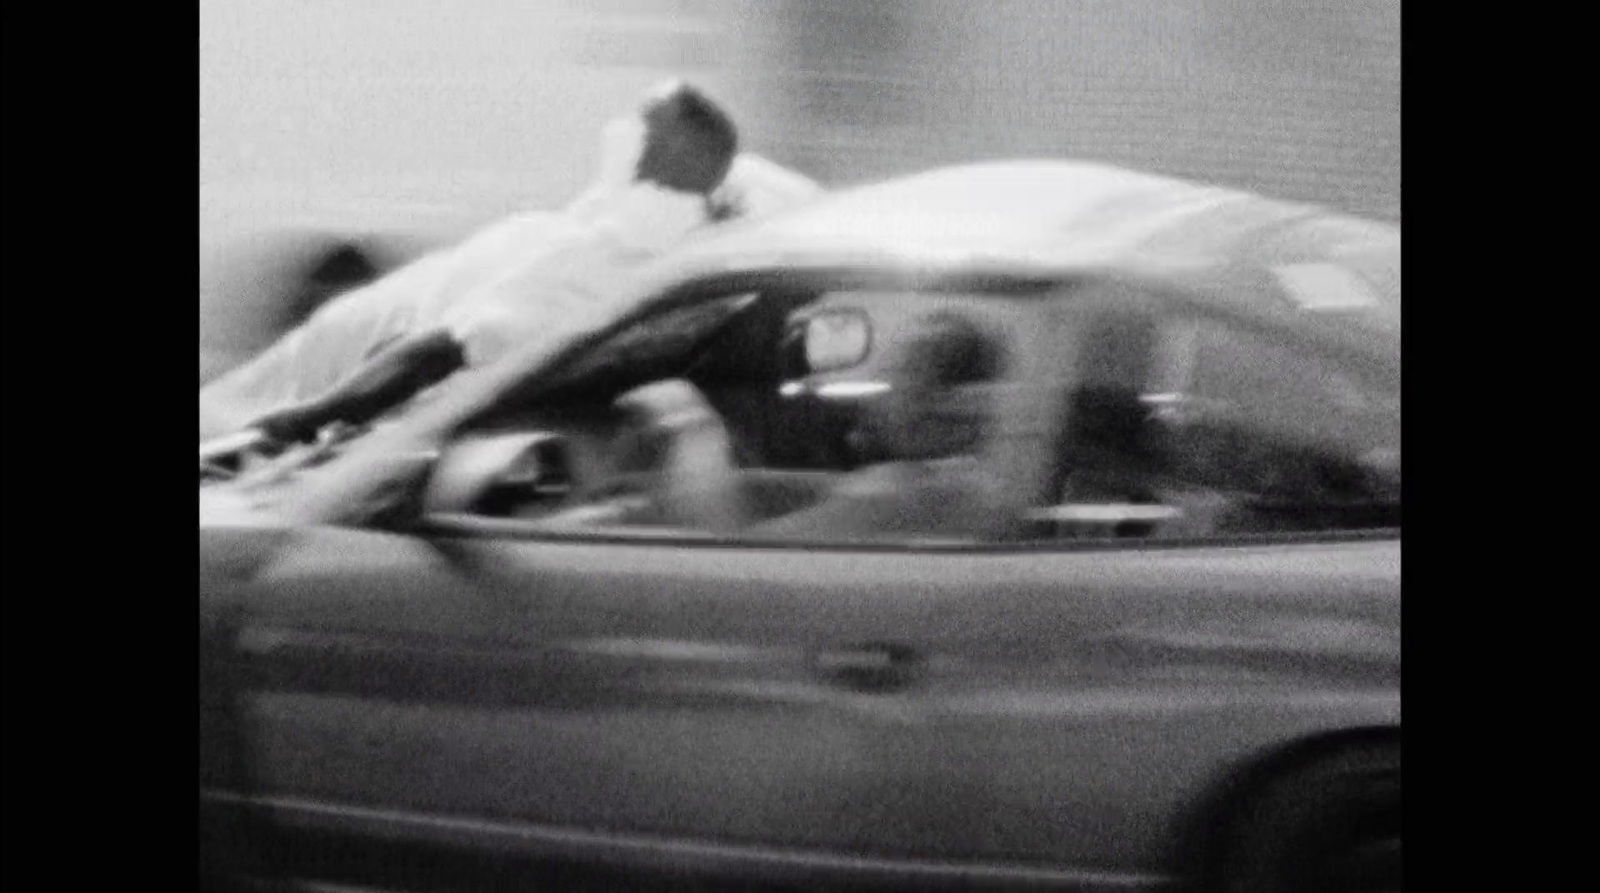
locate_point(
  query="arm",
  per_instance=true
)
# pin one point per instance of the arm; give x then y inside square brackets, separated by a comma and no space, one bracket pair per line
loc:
[388,378]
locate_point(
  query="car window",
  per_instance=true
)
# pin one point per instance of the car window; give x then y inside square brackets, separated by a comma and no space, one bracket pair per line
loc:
[890,441]
[1180,427]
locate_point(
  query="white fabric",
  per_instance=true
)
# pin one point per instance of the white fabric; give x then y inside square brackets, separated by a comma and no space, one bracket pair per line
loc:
[757,188]
[622,144]
[567,283]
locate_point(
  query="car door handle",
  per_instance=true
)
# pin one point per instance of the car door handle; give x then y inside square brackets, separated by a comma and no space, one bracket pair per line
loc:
[869,667]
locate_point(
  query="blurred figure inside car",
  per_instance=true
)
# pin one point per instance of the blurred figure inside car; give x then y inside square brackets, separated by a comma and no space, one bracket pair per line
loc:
[927,434]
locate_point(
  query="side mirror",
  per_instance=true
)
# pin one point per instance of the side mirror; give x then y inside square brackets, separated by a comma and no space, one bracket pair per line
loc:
[473,471]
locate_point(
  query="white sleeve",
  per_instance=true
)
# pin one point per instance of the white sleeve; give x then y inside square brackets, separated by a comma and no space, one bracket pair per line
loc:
[435,285]
[759,188]
[524,307]
[541,287]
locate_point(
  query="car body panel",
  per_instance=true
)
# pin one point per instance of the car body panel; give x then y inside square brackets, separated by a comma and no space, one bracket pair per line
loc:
[1065,706]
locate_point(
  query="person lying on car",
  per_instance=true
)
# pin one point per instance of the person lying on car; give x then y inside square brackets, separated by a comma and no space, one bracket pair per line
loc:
[534,277]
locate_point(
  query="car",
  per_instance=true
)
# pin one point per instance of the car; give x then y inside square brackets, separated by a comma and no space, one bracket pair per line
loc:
[515,621]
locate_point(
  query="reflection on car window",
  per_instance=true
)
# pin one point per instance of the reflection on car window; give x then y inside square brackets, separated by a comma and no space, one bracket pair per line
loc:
[1247,436]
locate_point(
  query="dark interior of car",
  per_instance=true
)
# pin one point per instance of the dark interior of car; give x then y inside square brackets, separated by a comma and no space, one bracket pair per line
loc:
[604,457]
[1119,449]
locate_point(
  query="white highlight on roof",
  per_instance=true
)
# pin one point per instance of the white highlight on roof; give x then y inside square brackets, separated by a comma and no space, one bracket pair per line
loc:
[1325,287]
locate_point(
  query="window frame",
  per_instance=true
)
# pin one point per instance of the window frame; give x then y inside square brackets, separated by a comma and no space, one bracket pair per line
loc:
[719,286]
[1179,320]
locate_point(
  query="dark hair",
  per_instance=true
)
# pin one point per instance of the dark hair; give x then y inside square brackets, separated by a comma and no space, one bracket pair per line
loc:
[691,142]
[950,350]
[343,266]
[337,269]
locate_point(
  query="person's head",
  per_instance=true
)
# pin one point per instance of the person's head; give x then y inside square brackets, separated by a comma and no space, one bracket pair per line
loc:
[936,406]
[679,139]
[338,268]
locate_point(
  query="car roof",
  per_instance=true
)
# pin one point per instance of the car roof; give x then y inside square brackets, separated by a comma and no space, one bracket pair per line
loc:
[1062,219]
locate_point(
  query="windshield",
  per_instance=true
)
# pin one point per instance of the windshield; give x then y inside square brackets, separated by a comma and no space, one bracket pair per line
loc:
[638,350]
[664,337]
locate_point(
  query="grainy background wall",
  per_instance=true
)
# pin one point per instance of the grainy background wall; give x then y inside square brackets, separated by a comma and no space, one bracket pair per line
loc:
[1297,98]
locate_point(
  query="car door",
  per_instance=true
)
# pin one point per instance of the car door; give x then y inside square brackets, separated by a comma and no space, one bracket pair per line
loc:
[702,691]
[699,692]
[1001,707]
